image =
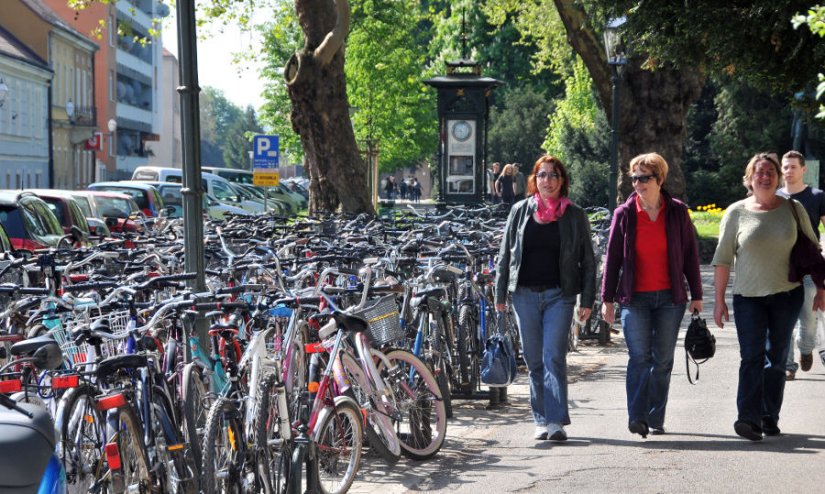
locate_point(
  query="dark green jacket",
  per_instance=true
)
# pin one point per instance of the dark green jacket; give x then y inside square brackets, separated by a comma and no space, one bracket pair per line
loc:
[576,261]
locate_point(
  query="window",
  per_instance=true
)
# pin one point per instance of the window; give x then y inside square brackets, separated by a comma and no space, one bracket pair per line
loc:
[111,85]
[222,192]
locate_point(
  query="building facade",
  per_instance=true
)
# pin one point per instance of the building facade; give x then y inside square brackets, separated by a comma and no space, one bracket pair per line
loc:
[168,150]
[25,80]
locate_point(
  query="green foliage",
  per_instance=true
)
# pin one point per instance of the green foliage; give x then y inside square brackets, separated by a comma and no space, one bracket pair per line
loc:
[384,63]
[578,135]
[517,128]
[217,116]
[281,37]
[815,20]
[238,141]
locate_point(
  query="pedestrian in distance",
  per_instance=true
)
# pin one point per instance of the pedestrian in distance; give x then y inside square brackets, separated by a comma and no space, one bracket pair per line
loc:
[521,182]
[652,261]
[402,189]
[813,200]
[494,173]
[756,236]
[545,260]
[389,187]
[506,185]
[416,188]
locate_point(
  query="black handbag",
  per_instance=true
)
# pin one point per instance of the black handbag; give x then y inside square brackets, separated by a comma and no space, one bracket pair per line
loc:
[700,344]
[498,365]
[806,257]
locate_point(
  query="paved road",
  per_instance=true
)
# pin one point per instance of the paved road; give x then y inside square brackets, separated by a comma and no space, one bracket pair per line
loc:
[493,450]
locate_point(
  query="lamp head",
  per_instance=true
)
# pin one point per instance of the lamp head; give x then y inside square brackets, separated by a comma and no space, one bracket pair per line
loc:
[112,125]
[613,44]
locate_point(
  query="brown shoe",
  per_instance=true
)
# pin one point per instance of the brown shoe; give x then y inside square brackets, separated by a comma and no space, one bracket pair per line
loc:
[790,375]
[806,361]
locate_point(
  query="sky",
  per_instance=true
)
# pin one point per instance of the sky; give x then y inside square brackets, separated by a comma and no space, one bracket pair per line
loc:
[215,67]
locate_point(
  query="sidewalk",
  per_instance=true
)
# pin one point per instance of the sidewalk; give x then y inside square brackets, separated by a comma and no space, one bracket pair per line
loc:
[493,450]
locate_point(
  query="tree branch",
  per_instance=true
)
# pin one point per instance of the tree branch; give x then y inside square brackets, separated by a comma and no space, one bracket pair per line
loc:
[334,39]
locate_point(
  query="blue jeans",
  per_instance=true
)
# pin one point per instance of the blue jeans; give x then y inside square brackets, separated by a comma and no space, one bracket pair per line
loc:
[764,326]
[651,327]
[806,336]
[544,323]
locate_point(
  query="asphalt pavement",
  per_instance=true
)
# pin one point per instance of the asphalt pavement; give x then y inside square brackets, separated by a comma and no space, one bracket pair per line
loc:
[493,450]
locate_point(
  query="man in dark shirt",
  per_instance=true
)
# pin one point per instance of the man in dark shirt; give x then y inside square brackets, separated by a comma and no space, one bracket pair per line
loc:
[793,171]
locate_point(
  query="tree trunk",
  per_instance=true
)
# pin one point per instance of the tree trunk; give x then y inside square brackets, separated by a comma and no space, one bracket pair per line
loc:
[317,88]
[654,102]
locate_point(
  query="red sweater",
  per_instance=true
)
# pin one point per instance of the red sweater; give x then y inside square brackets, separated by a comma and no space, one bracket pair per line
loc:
[652,273]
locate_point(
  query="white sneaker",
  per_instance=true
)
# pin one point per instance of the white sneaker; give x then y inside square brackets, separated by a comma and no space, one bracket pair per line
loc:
[555,432]
[541,433]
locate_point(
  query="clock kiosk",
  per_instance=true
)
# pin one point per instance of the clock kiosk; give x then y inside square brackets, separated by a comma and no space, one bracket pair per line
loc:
[463,104]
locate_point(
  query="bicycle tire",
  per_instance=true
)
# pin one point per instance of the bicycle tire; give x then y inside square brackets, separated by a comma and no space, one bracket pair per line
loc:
[573,336]
[444,389]
[82,435]
[134,462]
[379,430]
[339,440]
[468,355]
[268,442]
[194,390]
[222,442]
[160,458]
[420,403]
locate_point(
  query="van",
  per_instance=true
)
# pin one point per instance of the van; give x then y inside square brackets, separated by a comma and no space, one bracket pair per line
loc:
[234,175]
[213,185]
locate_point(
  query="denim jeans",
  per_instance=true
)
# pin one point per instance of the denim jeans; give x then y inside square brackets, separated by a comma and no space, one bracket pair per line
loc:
[806,333]
[651,327]
[544,323]
[764,326]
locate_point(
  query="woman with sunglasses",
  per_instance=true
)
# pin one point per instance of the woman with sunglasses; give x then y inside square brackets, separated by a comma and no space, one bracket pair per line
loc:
[652,251]
[546,260]
[756,235]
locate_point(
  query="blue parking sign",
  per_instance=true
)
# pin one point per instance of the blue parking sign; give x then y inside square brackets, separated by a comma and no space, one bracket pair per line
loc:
[265,152]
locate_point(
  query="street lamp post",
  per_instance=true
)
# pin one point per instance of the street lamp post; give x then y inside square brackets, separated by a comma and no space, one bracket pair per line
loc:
[617,59]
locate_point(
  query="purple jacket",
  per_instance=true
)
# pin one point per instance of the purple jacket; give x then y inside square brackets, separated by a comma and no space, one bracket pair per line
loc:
[682,253]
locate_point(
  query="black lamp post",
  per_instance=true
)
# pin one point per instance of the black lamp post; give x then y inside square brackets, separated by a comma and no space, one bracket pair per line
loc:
[617,59]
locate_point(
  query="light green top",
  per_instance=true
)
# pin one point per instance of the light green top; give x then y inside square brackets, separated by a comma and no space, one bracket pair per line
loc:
[761,243]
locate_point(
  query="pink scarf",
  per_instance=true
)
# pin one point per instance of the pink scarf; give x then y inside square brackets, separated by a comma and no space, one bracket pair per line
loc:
[551,209]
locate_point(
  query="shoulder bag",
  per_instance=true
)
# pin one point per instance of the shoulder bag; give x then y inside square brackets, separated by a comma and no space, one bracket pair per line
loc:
[700,345]
[806,257]
[498,365]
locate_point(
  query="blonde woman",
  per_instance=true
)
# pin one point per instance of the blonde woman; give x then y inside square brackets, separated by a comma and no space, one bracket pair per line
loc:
[506,185]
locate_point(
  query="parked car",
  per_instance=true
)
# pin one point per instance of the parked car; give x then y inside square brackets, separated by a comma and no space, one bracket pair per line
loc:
[68,213]
[257,193]
[146,196]
[29,222]
[173,199]
[120,212]
[234,175]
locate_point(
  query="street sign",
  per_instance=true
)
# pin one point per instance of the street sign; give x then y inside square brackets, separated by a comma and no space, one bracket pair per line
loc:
[265,156]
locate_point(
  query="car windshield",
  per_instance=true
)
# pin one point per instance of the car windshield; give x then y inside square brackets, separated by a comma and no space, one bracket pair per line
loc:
[114,207]
[83,202]
[57,208]
[136,194]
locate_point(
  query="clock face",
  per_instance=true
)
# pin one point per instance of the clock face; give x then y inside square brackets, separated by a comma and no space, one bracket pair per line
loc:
[462,130]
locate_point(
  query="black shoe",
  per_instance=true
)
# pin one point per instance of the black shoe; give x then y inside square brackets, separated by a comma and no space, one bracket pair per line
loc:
[657,431]
[770,428]
[747,430]
[639,427]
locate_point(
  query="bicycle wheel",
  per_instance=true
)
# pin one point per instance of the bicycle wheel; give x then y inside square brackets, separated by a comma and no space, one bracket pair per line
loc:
[379,429]
[424,417]
[269,443]
[133,458]
[444,387]
[573,336]
[223,441]
[195,408]
[468,354]
[82,434]
[339,439]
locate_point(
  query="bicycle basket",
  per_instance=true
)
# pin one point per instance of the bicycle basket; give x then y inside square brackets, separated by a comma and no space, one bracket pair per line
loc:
[383,319]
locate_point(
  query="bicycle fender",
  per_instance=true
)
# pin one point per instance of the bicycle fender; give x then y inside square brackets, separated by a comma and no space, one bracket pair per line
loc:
[328,410]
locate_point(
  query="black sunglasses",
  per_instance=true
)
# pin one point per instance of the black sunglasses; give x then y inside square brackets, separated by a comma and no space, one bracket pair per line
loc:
[641,178]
